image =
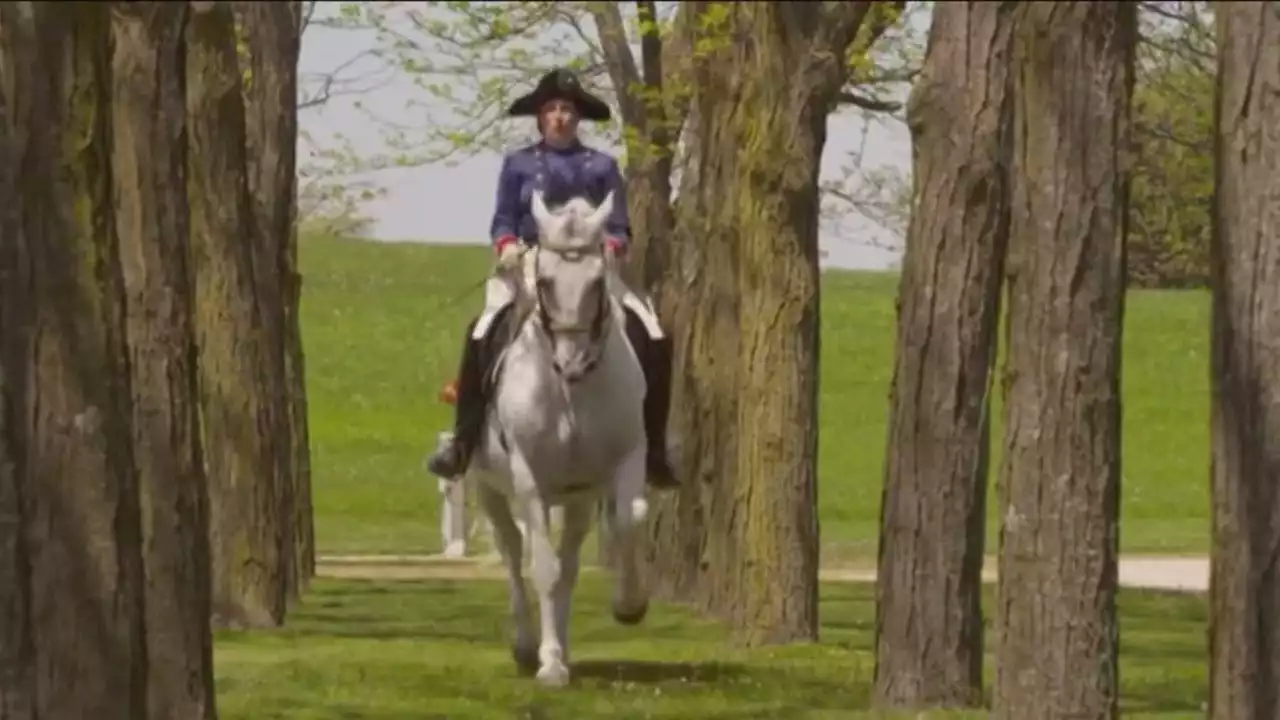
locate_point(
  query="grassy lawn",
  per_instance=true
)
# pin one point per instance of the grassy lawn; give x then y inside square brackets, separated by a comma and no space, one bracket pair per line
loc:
[383,326]
[422,650]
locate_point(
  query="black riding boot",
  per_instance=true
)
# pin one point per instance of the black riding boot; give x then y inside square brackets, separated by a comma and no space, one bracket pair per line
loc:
[655,359]
[450,459]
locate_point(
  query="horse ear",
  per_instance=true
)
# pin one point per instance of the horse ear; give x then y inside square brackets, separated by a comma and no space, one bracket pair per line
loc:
[538,206]
[602,212]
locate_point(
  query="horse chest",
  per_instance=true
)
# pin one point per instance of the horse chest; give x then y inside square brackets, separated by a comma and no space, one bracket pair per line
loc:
[565,436]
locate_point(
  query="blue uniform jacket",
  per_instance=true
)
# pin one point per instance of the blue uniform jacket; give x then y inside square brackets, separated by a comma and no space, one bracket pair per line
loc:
[561,175]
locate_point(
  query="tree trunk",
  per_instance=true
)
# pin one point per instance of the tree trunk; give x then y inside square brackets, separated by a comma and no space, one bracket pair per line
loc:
[78,539]
[1244,637]
[761,100]
[148,152]
[273,30]
[697,299]
[1059,485]
[16,652]
[73,545]
[688,531]
[932,523]
[243,422]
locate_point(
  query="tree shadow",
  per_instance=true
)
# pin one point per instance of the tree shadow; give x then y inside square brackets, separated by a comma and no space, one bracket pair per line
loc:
[646,672]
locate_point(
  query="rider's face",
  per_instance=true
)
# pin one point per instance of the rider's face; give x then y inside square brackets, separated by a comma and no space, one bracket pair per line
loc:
[559,119]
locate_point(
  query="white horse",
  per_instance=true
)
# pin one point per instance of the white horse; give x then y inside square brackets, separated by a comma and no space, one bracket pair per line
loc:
[566,429]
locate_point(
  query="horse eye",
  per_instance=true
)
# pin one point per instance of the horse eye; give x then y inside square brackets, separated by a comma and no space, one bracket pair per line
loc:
[544,283]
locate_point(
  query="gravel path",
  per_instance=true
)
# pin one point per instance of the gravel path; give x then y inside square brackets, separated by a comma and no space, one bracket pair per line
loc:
[1182,574]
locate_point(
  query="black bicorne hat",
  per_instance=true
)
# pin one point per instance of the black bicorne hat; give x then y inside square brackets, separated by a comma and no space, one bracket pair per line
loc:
[560,84]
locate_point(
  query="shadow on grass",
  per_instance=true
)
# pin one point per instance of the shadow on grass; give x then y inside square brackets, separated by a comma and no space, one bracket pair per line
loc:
[644,672]
[676,666]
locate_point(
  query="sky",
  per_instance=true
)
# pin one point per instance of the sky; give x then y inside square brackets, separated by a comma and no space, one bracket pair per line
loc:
[452,204]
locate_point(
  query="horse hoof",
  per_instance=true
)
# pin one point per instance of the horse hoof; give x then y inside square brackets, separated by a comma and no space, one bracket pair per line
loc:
[526,659]
[555,676]
[631,617]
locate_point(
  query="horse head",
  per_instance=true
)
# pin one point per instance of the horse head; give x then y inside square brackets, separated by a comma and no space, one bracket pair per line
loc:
[571,299]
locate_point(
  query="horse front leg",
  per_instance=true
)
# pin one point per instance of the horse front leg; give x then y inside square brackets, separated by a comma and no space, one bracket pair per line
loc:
[510,545]
[575,523]
[630,594]
[547,574]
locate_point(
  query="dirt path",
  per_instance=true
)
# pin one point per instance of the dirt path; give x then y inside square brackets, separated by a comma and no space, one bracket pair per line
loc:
[1156,572]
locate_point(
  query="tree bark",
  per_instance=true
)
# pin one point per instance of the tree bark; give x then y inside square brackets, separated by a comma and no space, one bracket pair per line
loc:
[244,423]
[73,541]
[1060,480]
[691,556]
[1244,636]
[273,30]
[761,95]
[17,673]
[929,632]
[148,152]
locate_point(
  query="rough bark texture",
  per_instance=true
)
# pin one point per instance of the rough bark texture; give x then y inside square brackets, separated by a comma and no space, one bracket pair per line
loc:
[75,548]
[244,422]
[1059,484]
[688,532]
[17,685]
[274,37]
[748,345]
[15,643]
[148,152]
[929,648]
[1244,635]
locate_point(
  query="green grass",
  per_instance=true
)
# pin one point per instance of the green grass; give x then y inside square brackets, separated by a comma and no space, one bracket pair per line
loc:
[383,325]
[422,650]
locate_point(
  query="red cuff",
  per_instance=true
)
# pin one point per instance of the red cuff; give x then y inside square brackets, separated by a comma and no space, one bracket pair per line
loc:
[617,246]
[502,242]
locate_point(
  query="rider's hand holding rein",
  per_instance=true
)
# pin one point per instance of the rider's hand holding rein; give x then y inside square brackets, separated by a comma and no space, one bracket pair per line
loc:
[508,252]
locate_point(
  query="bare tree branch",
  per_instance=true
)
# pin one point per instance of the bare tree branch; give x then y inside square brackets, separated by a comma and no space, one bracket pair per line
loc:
[677,64]
[619,60]
[867,103]
[308,12]
[332,84]
[838,27]
[650,43]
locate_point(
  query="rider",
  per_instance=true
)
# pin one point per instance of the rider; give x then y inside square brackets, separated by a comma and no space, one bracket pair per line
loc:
[562,168]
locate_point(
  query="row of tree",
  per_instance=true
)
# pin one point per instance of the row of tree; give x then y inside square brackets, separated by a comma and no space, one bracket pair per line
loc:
[1022,123]
[1022,120]
[154,472]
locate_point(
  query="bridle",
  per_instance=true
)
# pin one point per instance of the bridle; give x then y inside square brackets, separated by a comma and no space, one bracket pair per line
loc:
[595,330]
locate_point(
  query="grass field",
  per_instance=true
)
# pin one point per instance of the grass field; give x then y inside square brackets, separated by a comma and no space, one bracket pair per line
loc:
[382,326]
[383,323]
[424,651]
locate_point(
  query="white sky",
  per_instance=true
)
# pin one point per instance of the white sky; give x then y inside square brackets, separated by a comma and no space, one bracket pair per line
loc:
[453,204]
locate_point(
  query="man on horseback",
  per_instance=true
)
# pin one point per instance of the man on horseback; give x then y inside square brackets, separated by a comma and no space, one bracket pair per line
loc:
[561,168]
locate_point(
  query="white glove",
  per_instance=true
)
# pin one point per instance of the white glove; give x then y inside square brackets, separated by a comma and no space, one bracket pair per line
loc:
[509,256]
